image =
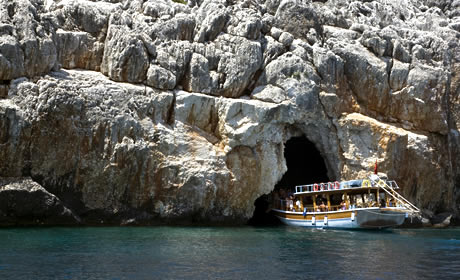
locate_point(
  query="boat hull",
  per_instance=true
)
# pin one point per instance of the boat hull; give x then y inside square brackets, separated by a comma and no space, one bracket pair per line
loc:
[368,218]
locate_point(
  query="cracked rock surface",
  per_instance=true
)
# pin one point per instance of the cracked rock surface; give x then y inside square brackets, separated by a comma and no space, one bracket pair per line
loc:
[142,112]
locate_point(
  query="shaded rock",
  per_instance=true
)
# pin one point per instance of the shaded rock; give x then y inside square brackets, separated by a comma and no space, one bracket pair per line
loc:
[198,78]
[379,46]
[11,58]
[79,50]
[160,78]
[25,202]
[125,56]
[330,67]
[181,27]
[174,57]
[272,49]
[441,220]
[239,64]
[212,17]
[269,93]
[398,75]
[400,53]
[297,18]
[245,23]
[286,39]
[87,16]
[370,89]
[3,90]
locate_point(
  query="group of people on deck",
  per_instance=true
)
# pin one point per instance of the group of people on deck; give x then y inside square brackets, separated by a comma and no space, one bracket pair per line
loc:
[291,203]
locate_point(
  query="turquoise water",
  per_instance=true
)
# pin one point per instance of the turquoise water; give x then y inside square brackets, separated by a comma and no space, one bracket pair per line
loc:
[227,253]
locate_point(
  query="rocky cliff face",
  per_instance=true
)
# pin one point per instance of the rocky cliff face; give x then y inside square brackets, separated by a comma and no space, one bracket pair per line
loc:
[152,111]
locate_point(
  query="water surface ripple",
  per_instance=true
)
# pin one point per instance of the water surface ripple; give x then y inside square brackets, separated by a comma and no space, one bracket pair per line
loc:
[227,253]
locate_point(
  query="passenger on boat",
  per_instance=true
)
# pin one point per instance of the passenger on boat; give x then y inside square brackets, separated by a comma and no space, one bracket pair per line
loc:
[298,205]
[352,202]
[343,205]
[366,200]
[360,203]
[322,206]
[291,203]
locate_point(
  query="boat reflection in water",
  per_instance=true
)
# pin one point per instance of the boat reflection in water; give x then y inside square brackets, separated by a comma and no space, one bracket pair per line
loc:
[370,203]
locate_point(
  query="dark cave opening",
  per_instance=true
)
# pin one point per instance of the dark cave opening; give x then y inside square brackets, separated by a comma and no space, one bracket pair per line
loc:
[305,165]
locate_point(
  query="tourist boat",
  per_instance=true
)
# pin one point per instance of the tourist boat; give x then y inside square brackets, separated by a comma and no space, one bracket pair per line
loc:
[370,203]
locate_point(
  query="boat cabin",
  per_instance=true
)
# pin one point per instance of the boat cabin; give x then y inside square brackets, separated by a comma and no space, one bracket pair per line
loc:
[337,196]
[367,203]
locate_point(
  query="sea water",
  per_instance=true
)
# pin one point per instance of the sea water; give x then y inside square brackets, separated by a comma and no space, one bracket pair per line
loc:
[228,253]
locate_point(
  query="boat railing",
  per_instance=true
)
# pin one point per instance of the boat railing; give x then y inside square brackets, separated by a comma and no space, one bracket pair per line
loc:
[290,205]
[395,195]
[329,186]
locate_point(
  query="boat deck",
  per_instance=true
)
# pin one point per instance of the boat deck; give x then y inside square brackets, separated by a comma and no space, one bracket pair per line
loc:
[366,203]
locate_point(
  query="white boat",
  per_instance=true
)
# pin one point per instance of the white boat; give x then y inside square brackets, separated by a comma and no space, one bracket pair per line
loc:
[367,203]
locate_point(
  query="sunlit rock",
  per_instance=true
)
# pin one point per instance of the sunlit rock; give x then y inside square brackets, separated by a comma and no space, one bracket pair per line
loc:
[160,111]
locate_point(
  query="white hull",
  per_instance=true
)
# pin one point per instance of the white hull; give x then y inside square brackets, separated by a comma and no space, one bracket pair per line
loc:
[344,223]
[359,218]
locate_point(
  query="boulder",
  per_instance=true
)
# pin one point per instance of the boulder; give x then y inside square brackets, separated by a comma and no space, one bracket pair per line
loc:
[125,57]
[25,202]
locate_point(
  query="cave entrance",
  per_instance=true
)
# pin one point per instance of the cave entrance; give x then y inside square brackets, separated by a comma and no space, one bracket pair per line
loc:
[305,165]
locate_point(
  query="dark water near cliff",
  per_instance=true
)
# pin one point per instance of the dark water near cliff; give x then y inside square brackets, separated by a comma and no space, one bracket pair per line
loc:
[227,253]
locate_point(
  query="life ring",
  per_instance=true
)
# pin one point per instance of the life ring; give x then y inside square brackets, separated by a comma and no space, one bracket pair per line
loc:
[366,184]
[336,185]
[322,187]
[315,187]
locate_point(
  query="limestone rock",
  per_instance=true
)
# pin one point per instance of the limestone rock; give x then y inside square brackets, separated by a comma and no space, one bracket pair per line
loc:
[371,88]
[125,56]
[286,39]
[441,220]
[379,46]
[181,27]
[212,17]
[27,48]
[241,60]
[269,93]
[198,77]
[245,23]
[160,78]
[171,112]
[298,18]
[79,50]
[84,16]
[174,57]
[24,202]
[272,49]
[11,58]
[296,77]
[398,75]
